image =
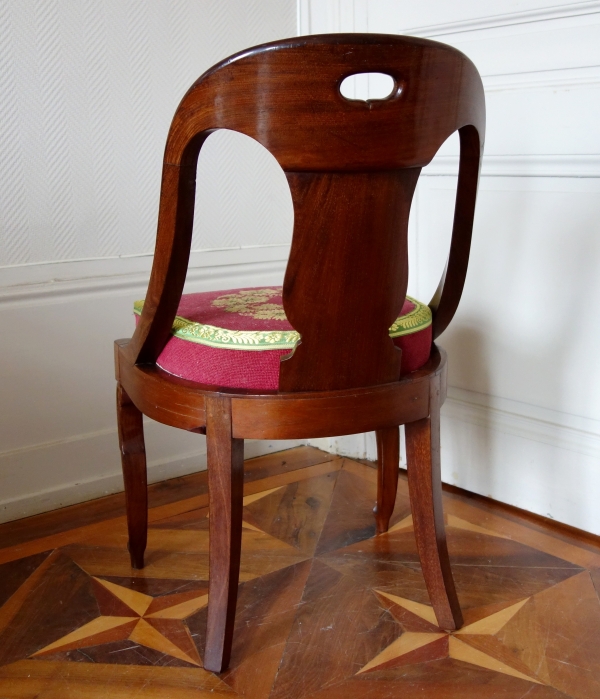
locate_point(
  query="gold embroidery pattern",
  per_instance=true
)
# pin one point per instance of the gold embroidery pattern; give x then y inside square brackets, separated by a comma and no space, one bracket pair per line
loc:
[254,302]
[418,319]
[222,338]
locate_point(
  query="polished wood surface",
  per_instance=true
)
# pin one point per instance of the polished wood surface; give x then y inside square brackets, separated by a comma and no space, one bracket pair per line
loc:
[425,487]
[294,415]
[352,167]
[326,609]
[225,486]
[447,297]
[133,459]
[286,96]
[388,458]
[344,302]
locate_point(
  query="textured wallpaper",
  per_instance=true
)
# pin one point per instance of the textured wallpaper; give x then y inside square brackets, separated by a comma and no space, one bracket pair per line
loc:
[87,92]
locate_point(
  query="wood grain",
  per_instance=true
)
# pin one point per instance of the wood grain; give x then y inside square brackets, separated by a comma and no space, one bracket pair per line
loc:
[352,620]
[29,679]
[293,415]
[352,168]
[388,464]
[425,487]
[225,481]
[116,527]
[352,218]
[133,459]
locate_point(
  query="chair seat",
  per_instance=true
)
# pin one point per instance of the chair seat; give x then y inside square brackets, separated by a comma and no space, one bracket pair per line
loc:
[236,338]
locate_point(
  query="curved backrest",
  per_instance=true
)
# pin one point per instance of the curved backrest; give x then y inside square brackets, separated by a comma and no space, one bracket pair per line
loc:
[352,167]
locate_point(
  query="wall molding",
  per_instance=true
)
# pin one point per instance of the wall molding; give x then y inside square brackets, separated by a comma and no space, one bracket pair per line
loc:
[564,78]
[41,283]
[556,429]
[536,459]
[491,444]
[80,464]
[577,166]
[97,471]
[509,19]
[556,12]
[303,17]
[541,74]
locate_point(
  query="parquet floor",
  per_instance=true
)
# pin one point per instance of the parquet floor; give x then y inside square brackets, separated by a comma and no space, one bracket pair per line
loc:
[326,610]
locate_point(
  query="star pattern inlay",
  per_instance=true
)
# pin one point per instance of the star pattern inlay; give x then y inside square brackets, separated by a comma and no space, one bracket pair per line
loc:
[74,620]
[153,622]
[475,643]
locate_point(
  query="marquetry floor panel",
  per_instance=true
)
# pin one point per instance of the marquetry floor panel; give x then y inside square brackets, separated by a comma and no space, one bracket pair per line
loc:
[326,609]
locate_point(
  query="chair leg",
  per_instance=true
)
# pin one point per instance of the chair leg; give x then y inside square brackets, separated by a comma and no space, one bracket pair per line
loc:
[226,489]
[425,489]
[388,463]
[133,460]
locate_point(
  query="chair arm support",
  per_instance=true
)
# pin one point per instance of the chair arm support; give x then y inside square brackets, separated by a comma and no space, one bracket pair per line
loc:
[447,296]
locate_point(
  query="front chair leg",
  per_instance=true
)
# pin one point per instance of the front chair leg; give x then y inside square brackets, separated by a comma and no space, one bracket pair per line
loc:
[425,489]
[133,460]
[388,463]
[225,456]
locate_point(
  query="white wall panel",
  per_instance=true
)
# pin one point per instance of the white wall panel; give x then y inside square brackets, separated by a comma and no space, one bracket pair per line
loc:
[58,428]
[436,17]
[527,317]
[522,421]
[88,89]
[242,195]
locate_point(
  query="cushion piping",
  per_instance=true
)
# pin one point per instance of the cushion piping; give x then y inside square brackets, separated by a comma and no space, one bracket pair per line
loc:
[259,340]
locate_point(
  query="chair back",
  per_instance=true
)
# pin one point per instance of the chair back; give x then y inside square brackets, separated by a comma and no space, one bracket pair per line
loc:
[352,167]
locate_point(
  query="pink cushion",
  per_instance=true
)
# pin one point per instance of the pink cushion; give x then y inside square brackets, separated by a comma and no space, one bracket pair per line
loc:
[236,338]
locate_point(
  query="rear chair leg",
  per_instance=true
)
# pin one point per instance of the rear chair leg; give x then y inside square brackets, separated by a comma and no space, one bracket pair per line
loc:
[133,460]
[388,463]
[425,488]
[225,492]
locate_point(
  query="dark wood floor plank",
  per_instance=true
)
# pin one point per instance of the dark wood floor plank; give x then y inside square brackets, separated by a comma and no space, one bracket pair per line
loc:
[325,647]
[115,529]
[350,517]
[30,679]
[14,574]
[296,512]
[284,461]
[266,611]
[60,601]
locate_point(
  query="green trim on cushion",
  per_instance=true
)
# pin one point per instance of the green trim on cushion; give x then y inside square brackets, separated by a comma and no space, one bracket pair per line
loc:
[418,319]
[221,338]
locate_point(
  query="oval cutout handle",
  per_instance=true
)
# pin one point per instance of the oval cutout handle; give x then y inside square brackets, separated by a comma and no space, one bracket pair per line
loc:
[368,87]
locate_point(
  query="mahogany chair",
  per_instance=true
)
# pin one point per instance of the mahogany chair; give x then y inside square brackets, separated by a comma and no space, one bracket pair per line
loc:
[352,167]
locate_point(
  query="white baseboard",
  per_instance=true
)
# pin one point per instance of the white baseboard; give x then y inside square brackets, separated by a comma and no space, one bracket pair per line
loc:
[58,433]
[577,166]
[353,445]
[356,446]
[536,459]
[556,429]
